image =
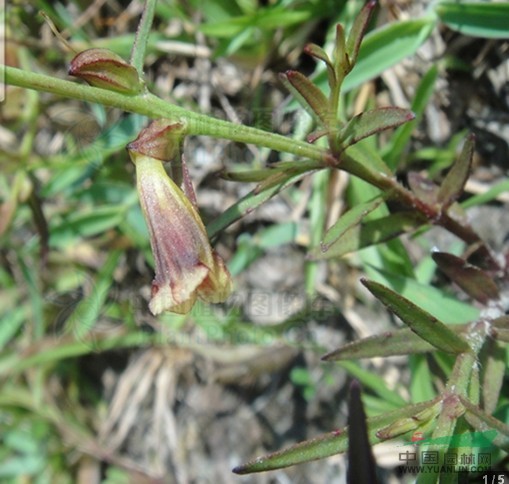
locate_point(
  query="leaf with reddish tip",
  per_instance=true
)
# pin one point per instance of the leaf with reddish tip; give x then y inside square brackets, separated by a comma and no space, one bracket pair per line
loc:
[419,321]
[325,445]
[455,180]
[357,31]
[318,53]
[372,122]
[474,281]
[369,233]
[308,95]
[391,343]
[316,135]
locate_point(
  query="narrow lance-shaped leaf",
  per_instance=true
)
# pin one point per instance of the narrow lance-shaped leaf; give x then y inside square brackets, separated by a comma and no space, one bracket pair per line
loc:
[366,163]
[421,322]
[367,234]
[348,220]
[341,62]
[386,46]
[391,343]
[318,53]
[361,463]
[357,32]
[326,445]
[263,174]
[474,281]
[263,192]
[455,180]
[371,122]
[308,95]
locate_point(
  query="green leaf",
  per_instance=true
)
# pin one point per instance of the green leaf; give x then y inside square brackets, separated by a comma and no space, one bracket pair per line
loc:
[478,19]
[391,343]
[371,122]
[386,46]
[421,322]
[318,53]
[457,176]
[369,233]
[341,62]
[364,162]
[356,33]
[348,221]
[474,281]
[263,192]
[438,303]
[311,98]
[325,445]
[246,176]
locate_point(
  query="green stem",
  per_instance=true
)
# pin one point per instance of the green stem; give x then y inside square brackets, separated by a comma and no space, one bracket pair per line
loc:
[455,393]
[154,107]
[140,42]
[149,105]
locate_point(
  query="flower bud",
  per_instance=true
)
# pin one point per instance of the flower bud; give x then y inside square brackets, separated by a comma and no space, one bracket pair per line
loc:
[403,425]
[107,70]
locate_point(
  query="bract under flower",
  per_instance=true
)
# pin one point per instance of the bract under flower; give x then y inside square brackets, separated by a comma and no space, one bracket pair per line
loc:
[186,265]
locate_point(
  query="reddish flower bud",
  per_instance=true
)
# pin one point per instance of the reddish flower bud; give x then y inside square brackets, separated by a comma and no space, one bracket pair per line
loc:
[107,70]
[186,266]
[161,139]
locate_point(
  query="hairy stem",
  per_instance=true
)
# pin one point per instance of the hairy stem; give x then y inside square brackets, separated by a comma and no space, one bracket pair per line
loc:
[154,107]
[140,42]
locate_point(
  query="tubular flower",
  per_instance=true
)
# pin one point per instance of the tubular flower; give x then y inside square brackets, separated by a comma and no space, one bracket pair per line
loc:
[186,265]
